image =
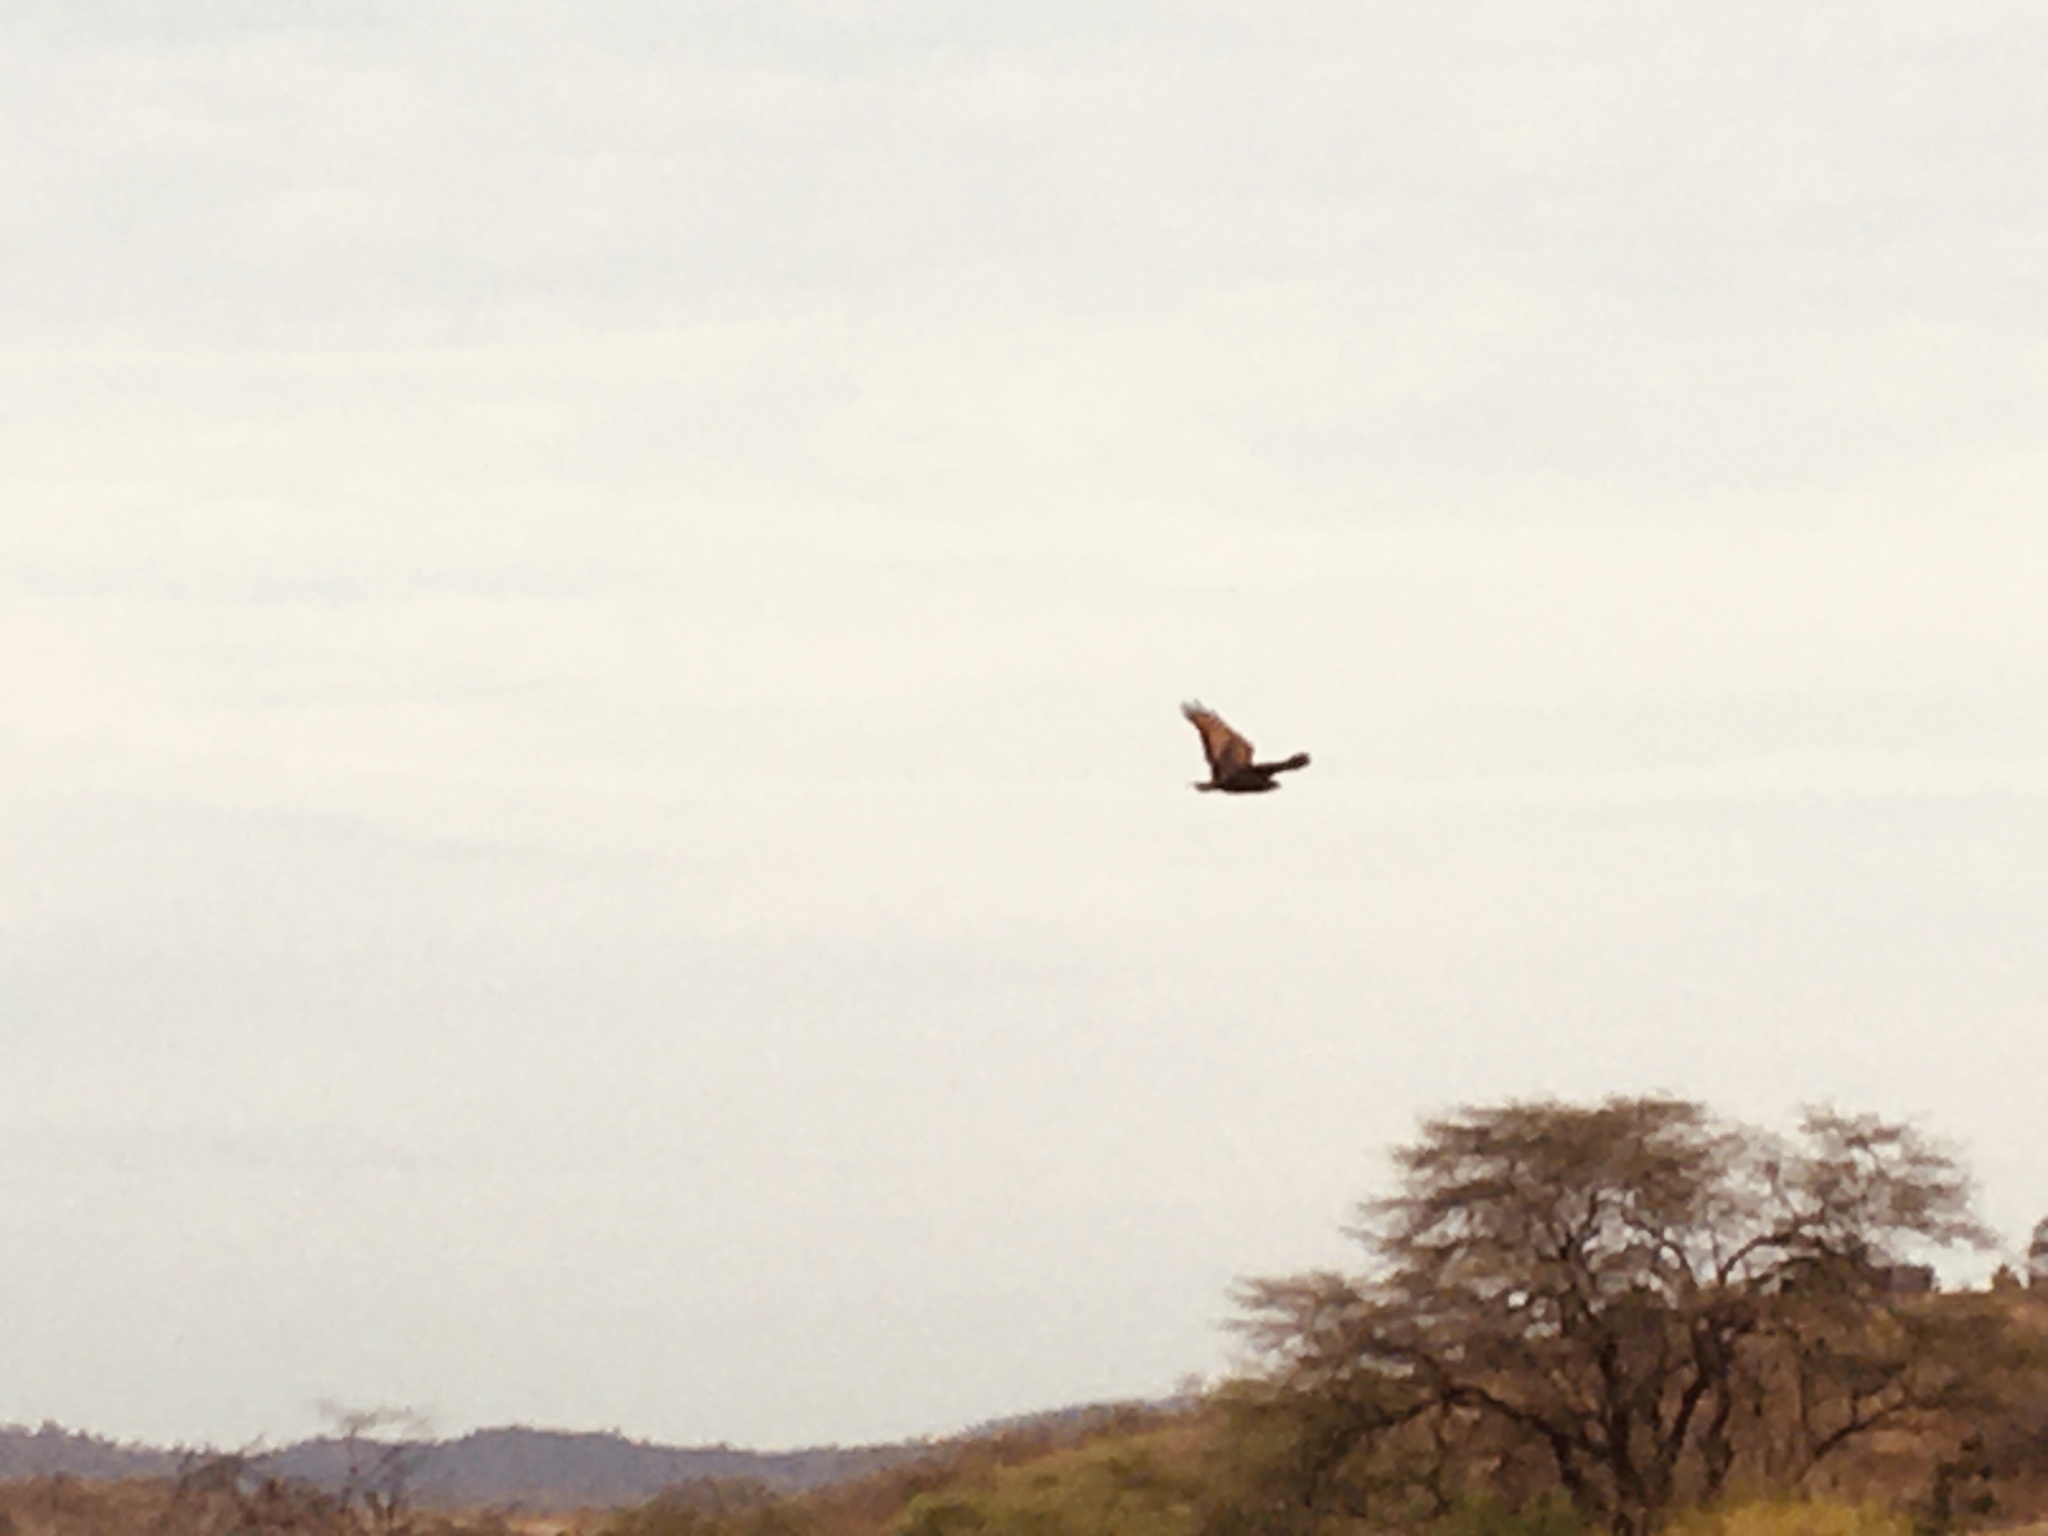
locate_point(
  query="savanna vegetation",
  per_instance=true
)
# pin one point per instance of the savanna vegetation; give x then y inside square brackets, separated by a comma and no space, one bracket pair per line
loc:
[1632,1318]
[215,1496]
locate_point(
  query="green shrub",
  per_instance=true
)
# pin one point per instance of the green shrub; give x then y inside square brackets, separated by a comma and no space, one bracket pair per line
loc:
[1119,1487]
[713,1508]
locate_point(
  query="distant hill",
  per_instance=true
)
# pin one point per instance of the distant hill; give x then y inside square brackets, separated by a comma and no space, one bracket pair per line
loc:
[51,1451]
[556,1469]
[535,1469]
[529,1468]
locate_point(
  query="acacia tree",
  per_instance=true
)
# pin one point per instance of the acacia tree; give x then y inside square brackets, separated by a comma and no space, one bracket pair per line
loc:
[377,1482]
[1620,1300]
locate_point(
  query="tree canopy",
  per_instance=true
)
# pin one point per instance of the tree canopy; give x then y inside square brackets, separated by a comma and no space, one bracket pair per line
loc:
[1619,1303]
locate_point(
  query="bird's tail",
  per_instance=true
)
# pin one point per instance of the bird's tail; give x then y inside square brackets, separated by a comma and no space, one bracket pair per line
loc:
[1288,765]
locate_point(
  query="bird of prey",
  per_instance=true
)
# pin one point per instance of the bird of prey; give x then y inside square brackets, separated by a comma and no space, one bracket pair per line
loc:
[1231,768]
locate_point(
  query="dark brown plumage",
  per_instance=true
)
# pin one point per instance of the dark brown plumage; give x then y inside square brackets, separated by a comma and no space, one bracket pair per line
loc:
[1231,768]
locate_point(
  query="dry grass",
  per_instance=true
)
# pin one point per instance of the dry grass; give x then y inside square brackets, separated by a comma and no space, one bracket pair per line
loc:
[69,1506]
[1792,1517]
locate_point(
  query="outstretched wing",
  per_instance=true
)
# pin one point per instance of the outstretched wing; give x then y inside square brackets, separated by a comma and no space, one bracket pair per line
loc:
[1226,750]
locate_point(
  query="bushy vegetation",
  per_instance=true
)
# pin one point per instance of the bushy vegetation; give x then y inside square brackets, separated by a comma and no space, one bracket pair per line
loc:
[716,1507]
[67,1506]
[1134,1472]
[218,1495]
[1190,1474]
[1151,1482]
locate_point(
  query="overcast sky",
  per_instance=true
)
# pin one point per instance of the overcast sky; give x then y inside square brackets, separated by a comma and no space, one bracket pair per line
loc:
[594,828]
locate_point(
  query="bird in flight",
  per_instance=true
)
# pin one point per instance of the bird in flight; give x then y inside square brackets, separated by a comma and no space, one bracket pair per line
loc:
[1231,768]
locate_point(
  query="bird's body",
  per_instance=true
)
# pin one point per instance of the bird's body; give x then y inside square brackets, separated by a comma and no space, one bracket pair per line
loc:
[1231,768]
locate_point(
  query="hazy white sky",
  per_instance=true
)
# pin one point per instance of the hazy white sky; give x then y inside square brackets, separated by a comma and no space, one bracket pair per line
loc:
[593,823]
